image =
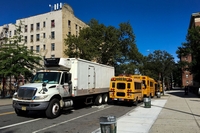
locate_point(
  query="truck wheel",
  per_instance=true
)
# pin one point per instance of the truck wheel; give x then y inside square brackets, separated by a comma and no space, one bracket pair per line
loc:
[105,98]
[53,109]
[20,112]
[98,100]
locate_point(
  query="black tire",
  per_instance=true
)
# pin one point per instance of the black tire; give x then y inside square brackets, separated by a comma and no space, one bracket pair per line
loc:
[98,100]
[20,112]
[53,110]
[105,98]
[136,102]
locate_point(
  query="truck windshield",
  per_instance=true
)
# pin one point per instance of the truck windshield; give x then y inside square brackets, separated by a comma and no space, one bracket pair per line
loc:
[47,77]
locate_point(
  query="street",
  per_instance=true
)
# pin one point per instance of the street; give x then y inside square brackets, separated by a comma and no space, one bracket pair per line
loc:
[84,119]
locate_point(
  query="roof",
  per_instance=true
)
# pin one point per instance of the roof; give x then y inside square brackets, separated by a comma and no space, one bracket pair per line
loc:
[193,16]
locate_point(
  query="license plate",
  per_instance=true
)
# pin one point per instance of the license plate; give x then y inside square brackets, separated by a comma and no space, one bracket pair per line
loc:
[23,108]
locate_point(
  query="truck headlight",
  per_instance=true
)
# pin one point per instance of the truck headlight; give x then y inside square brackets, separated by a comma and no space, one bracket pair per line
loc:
[15,95]
[39,97]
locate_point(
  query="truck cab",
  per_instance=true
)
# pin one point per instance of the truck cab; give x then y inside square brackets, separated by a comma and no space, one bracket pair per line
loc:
[47,90]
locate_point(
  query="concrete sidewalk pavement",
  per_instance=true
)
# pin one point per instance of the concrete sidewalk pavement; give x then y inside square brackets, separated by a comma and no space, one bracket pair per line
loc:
[5,101]
[174,112]
[181,114]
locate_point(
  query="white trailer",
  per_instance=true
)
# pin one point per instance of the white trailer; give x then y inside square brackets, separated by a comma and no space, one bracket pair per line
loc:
[63,82]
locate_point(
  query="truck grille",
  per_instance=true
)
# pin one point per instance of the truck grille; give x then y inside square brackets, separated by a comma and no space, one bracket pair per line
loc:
[26,92]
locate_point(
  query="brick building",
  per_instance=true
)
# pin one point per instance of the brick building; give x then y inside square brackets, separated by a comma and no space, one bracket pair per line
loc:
[187,78]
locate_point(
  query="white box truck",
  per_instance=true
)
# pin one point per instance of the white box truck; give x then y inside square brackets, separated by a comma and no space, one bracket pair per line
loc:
[62,82]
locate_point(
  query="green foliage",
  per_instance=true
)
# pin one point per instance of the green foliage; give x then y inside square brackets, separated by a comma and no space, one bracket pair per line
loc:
[106,45]
[158,63]
[16,59]
[192,46]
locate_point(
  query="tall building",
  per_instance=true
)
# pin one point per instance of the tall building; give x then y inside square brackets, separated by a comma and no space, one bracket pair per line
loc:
[45,33]
[187,78]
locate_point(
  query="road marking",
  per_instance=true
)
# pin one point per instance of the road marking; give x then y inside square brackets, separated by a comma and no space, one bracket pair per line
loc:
[7,113]
[70,120]
[19,123]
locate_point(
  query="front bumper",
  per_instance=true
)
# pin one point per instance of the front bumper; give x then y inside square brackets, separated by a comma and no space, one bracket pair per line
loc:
[30,105]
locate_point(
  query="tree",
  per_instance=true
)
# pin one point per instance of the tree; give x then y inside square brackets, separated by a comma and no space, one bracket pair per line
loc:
[159,65]
[191,46]
[130,58]
[88,44]
[16,59]
[106,45]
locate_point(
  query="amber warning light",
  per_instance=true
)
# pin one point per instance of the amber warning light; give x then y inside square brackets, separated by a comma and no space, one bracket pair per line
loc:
[113,79]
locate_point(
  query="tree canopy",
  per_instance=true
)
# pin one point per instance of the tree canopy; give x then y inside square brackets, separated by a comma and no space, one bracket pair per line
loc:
[191,46]
[106,45]
[16,59]
[159,65]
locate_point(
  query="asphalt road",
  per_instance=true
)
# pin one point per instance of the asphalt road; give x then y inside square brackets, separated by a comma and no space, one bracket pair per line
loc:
[82,119]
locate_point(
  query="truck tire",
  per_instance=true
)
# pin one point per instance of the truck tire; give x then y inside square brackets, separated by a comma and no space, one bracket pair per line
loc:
[53,110]
[20,112]
[98,100]
[105,98]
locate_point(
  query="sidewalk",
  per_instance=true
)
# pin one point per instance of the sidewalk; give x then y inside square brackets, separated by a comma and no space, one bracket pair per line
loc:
[172,113]
[5,101]
[181,114]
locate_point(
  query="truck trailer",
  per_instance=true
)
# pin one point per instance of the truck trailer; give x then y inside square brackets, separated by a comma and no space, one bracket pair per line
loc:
[62,83]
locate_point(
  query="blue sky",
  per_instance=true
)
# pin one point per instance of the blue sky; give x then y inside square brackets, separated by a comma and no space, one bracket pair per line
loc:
[157,24]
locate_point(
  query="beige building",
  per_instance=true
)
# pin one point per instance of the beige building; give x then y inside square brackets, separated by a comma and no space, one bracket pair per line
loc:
[46,32]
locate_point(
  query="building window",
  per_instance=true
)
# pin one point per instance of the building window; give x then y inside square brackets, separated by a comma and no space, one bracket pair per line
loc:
[32,48]
[44,35]
[52,35]
[186,59]
[38,48]
[76,27]
[52,46]
[31,38]
[25,39]
[52,56]
[79,28]
[37,37]
[44,24]
[187,82]
[26,28]
[38,26]
[10,34]
[15,32]
[69,33]
[52,23]
[44,47]
[31,27]
[69,23]
[186,75]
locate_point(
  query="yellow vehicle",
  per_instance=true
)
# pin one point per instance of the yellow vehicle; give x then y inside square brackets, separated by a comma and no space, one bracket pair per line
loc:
[152,87]
[160,88]
[156,87]
[126,88]
[148,87]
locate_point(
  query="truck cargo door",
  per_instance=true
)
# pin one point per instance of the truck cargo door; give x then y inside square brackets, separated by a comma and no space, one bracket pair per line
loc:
[91,77]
